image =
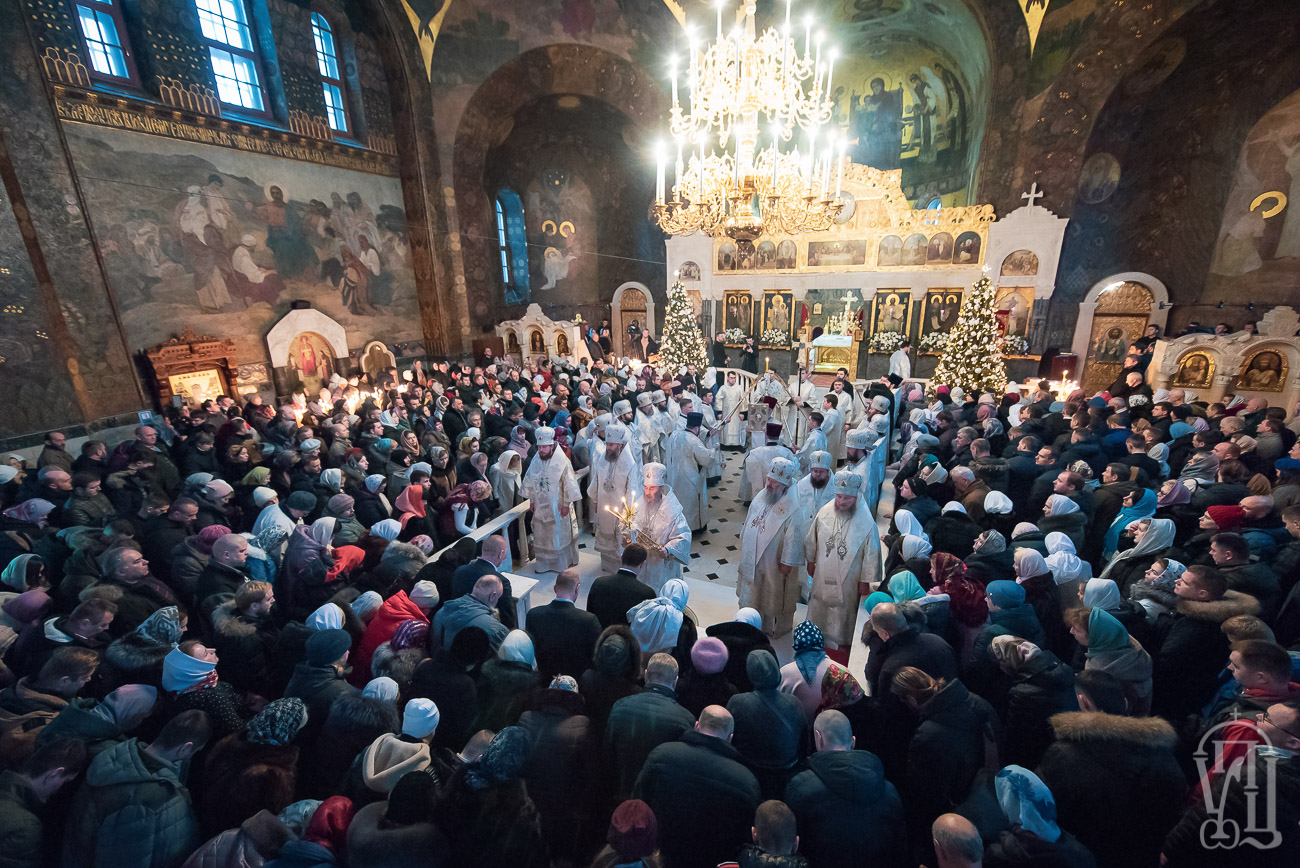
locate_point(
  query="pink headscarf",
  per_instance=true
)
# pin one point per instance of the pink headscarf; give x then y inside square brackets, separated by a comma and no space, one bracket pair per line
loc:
[36,511]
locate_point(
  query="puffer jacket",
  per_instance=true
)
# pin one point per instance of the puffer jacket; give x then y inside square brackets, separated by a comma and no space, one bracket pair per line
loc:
[130,813]
[257,840]
[391,614]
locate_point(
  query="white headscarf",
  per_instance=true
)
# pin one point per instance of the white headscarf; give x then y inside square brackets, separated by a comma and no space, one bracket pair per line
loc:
[1059,504]
[327,617]
[1065,562]
[749,616]
[1101,594]
[656,623]
[908,525]
[915,547]
[1159,536]
[387,529]
[997,503]
[1029,563]
[322,530]
[517,647]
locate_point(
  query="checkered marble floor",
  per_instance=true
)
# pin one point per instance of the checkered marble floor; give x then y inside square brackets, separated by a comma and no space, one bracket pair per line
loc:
[715,553]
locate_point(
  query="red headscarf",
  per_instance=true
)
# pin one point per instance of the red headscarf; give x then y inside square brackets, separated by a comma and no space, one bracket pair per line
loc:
[966,599]
[329,824]
[346,559]
[410,503]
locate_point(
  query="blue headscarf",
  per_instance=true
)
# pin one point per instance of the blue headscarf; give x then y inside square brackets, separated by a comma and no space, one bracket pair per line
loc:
[1145,508]
[904,587]
[809,649]
[1027,802]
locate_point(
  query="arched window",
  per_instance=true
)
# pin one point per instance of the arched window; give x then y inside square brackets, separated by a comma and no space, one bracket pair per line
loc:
[512,245]
[224,25]
[103,36]
[327,60]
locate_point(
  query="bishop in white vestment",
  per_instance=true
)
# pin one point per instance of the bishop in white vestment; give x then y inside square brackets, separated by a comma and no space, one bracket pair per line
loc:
[688,465]
[842,548]
[553,489]
[729,401]
[660,522]
[615,482]
[771,548]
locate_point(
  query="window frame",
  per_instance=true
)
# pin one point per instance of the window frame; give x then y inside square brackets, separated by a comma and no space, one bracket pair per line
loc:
[503,245]
[326,81]
[113,9]
[252,55]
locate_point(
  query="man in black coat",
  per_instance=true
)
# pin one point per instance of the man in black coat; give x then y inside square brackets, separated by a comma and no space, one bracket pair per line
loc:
[641,722]
[564,636]
[701,793]
[842,782]
[611,596]
[1107,501]
[1021,473]
[163,533]
[494,552]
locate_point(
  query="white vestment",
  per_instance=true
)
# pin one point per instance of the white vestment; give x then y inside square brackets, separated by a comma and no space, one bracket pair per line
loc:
[664,523]
[811,500]
[635,444]
[901,363]
[757,463]
[612,484]
[845,550]
[772,536]
[552,487]
[833,428]
[688,465]
[795,423]
[848,408]
[649,434]
[814,442]
[728,401]
[711,436]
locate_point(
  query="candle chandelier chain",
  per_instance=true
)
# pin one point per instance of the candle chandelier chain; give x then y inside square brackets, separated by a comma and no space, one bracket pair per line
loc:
[763,105]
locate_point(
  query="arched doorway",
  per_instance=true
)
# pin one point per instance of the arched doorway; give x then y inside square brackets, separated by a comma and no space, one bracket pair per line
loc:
[1119,317]
[631,304]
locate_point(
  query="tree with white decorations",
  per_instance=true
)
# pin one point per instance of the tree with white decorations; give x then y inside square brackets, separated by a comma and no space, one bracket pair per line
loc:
[972,358]
[682,342]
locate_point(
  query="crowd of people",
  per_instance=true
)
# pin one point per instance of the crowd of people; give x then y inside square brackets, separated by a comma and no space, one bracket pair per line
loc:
[283,636]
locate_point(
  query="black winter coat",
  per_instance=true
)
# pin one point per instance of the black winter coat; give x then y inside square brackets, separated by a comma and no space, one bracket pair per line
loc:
[1043,686]
[559,769]
[1116,783]
[944,755]
[505,689]
[636,726]
[444,680]
[1190,650]
[352,724]
[847,784]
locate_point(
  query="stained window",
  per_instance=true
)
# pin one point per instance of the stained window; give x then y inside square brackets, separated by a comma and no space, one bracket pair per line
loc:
[512,245]
[327,59]
[225,28]
[103,34]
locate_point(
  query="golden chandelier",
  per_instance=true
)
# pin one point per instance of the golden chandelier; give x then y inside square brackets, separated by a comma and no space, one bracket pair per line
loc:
[750,95]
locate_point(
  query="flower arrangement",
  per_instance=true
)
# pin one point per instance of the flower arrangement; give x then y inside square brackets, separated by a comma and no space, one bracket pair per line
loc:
[934,342]
[734,336]
[1014,345]
[775,338]
[885,342]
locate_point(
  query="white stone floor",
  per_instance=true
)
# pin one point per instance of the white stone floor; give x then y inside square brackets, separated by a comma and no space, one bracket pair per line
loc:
[714,555]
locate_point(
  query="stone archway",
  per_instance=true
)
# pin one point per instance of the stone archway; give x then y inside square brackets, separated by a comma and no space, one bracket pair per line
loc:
[1115,313]
[632,301]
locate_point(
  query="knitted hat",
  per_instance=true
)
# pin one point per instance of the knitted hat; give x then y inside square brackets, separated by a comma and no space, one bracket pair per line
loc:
[709,655]
[263,495]
[1005,594]
[326,646]
[424,594]
[420,718]
[411,633]
[502,761]
[278,722]
[382,688]
[1227,517]
[303,501]
[341,503]
[311,444]
[218,488]
[633,831]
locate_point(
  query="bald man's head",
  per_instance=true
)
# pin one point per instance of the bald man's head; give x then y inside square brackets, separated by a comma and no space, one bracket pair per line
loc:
[230,550]
[717,722]
[957,842]
[832,731]
[494,549]
[487,590]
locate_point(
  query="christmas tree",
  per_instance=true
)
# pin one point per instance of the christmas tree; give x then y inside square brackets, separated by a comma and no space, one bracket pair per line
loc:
[973,356]
[682,343]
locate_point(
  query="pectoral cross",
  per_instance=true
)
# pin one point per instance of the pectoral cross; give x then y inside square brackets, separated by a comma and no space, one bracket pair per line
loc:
[1033,195]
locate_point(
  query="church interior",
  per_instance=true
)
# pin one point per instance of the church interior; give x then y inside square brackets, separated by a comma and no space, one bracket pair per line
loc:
[267,200]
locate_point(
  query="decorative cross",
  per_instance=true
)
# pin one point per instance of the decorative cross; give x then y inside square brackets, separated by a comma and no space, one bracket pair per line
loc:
[1033,195]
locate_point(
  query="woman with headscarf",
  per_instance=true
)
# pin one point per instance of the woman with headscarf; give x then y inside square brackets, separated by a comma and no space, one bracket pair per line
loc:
[909,553]
[1034,838]
[1138,504]
[1105,594]
[487,814]
[1041,686]
[137,657]
[1152,539]
[1111,649]
[991,560]
[25,573]
[507,683]
[371,504]
[661,624]
[999,513]
[347,530]
[1035,576]
[1201,468]
[252,770]
[21,527]
[465,509]
[953,531]
[814,679]
[966,601]
[1026,535]
[410,512]
[1061,514]
[189,675]
[1155,592]
[442,478]
[1068,569]
[505,477]
[303,584]
[324,841]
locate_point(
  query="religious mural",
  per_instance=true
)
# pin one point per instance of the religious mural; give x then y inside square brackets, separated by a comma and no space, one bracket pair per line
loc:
[1012,306]
[836,254]
[311,360]
[1265,371]
[941,309]
[224,240]
[1195,371]
[1120,319]
[738,311]
[893,311]
[560,216]
[1020,263]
